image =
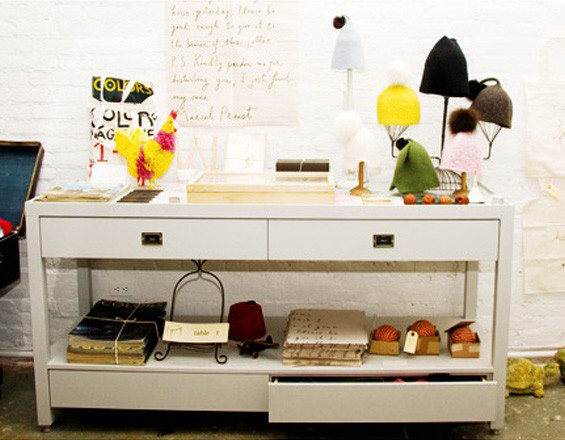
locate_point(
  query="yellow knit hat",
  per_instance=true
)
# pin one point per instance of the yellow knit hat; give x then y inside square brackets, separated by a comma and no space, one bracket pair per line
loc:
[398,105]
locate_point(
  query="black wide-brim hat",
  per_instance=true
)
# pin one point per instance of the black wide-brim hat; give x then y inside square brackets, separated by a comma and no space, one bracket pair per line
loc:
[445,71]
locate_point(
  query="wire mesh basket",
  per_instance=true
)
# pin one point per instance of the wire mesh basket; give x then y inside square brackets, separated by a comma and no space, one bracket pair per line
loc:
[449,181]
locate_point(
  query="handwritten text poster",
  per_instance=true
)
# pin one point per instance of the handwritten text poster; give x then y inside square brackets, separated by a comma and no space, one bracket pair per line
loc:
[234,62]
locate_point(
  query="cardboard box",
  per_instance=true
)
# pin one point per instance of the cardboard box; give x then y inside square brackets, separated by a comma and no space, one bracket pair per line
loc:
[19,170]
[384,348]
[463,349]
[427,345]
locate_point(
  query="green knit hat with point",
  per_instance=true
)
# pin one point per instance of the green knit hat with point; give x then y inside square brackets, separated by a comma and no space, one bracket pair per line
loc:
[414,171]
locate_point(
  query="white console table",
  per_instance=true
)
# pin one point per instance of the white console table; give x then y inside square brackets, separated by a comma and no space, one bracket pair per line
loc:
[342,231]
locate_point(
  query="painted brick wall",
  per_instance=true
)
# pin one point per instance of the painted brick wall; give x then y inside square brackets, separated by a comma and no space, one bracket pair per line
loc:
[50,49]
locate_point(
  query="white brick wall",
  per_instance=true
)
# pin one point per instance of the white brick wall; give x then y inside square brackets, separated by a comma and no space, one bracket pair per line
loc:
[50,49]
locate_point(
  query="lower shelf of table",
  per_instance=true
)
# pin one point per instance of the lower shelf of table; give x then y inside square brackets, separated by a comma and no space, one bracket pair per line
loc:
[270,361]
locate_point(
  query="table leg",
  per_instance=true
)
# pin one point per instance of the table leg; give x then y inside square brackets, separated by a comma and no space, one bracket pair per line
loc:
[501,313]
[39,322]
[84,282]
[471,290]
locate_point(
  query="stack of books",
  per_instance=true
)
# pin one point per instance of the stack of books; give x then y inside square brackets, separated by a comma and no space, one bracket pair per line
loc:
[116,332]
[82,192]
[325,337]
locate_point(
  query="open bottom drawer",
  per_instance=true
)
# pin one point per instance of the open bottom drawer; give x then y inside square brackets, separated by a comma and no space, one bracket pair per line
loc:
[382,402]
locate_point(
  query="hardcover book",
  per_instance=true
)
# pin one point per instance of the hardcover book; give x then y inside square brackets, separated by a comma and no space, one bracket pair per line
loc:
[116,332]
[82,192]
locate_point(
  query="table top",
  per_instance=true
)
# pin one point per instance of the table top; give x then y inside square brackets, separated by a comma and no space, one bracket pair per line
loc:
[172,202]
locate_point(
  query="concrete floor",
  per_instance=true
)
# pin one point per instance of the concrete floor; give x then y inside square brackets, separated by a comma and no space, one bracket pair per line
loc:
[527,418]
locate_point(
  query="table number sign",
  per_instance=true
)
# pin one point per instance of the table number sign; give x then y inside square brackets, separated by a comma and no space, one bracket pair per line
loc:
[200,333]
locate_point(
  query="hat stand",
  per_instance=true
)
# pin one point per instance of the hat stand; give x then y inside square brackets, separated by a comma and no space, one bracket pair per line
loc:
[394,133]
[348,55]
[448,180]
[464,190]
[349,93]
[443,126]
[360,189]
[489,128]
[445,74]
[490,131]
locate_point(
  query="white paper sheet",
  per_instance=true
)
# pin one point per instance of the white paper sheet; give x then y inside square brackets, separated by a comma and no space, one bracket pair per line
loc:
[545,141]
[545,145]
[245,152]
[234,62]
[319,327]
[544,239]
[544,217]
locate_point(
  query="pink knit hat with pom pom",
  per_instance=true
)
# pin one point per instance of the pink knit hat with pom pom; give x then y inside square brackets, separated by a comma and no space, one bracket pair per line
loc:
[462,152]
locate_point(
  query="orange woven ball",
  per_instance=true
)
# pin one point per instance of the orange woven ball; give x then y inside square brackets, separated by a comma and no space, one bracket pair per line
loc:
[428,199]
[462,334]
[445,200]
[410,199]
[424,328]
[386,333]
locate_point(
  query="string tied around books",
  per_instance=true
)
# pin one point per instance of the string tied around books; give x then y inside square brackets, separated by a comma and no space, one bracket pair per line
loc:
[125,322]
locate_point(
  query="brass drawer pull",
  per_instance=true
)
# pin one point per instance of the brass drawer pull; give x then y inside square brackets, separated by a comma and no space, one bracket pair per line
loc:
[152,238]
[383,241]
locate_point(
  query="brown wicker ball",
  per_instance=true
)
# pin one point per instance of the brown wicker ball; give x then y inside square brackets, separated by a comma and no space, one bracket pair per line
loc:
[424,328]
[386,333]
[462,334]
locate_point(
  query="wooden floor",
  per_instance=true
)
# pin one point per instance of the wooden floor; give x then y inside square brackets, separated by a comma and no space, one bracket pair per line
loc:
[528,418]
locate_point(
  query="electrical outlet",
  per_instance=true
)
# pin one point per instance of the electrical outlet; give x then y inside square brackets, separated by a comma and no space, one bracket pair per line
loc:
[119,284]
[121,289]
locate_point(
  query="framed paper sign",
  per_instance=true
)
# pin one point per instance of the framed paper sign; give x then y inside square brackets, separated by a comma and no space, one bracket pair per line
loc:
[234,62]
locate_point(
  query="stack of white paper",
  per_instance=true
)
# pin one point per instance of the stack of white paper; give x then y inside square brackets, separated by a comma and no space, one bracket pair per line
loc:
[325,337]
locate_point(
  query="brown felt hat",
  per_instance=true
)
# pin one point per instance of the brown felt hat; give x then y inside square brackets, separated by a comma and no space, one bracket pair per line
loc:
[494,105]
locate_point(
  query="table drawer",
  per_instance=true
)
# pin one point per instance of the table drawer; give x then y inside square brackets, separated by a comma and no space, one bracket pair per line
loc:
[382,402]
[152,390]
[154,238]
[422,240]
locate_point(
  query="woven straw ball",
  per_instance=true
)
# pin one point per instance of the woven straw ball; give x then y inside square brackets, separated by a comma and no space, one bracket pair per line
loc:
[424,328]
[462,334]
[386,333]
